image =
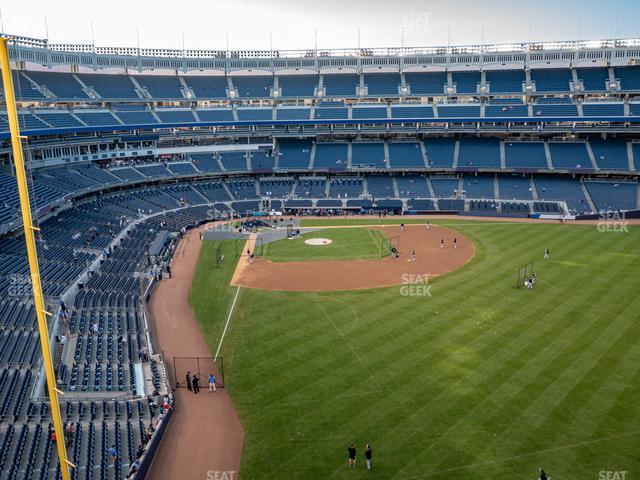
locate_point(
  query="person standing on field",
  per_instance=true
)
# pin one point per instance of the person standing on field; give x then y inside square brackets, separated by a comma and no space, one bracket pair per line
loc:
[212,382]
[368,453]
[188,378]
[195,381]
[352,455]
[546,254]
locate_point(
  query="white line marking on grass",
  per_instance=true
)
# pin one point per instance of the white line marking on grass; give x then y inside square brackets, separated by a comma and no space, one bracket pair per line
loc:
[536,452]
[215,357]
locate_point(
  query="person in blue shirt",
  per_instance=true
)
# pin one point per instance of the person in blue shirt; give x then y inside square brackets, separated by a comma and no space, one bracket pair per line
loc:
[114,453]
[212,382]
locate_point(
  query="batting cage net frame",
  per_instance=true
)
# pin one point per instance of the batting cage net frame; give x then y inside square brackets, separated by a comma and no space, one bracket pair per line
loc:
[200,366]
[388,244]
[256,247]
[219,255]
[524,272]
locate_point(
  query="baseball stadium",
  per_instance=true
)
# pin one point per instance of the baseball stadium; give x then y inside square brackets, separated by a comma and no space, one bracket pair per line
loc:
[399,263]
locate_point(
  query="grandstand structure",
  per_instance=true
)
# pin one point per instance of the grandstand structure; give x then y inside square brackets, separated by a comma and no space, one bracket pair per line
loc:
[127,147]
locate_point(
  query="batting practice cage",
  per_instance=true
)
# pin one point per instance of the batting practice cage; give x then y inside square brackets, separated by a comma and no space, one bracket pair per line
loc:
[219,255]
[255,247]
[524,272]
[200,366]
[389,246]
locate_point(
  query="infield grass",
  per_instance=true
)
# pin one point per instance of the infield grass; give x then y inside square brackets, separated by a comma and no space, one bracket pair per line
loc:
[346,243]
[478,381]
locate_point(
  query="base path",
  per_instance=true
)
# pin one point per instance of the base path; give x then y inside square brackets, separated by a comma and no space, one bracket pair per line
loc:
[205,433]
[334,275]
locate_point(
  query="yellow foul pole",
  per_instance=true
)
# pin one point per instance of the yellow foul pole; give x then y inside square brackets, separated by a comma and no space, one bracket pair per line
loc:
[32,253]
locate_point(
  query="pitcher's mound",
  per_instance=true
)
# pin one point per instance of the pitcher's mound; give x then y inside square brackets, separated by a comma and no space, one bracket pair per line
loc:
[318,241]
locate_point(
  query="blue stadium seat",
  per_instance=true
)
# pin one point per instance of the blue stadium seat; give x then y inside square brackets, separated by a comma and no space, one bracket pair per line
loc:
[479,152]
[331,156]
[62,85]
[258,86]
[525,155]
[426,83]
[382,84]
[110,87]
[298,86]
[505,81]
[341,85]
[367,155]
[440,152]
[207,87]
[405,155]
[551,80]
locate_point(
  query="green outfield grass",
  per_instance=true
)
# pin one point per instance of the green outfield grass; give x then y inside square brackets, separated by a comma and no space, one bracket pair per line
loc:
[347,243]
[478,381]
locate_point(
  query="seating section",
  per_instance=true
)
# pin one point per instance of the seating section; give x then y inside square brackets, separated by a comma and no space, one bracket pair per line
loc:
[466,82]
[445,187]
[295,86]
[551,80]
[613,196]
[110,87]
[563,189]
[62,85]
[97,118]
[412,186]
[555,110]
[258,86]
[233,161]
[295,154]
[479,153]
[440,152]
[341,85]
[514,187]
[478,186]
[367,155]
[629,78]
[346,187]
[380,186]
[458,110]
[569,155]
[333,156]
[425,111]
[505,81]
[525,155]
[160,86]
[368,112]
[432,83]
[104,334]
[606,109]
[383,84]
[593,79]
[206,87]
[405,155]
[293,113]
[610,154]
